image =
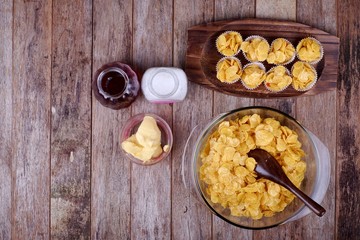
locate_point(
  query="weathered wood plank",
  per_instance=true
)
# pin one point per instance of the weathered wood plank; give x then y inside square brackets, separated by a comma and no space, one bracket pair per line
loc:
[278,10]
[6,47]
[110,186]
[284,10]
[151,185]
[225,10]
[230,10]
[348,130]
[190,218]
[320,120]
[71,120]
[31,119]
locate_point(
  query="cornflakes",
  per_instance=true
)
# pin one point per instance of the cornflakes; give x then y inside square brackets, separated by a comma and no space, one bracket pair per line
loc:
[229,43]
[229,70]
[282,51]
[229,174]
[253,75]
[255,49]
[309,50]
[304,76]
[277,79]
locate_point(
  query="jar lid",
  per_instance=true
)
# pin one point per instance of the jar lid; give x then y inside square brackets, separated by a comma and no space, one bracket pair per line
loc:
[163,83]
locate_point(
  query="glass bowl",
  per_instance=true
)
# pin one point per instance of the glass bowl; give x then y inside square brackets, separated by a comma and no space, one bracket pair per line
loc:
[315,183]
[131,127]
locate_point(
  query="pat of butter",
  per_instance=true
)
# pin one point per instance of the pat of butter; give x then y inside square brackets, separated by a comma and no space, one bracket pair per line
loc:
[146,142]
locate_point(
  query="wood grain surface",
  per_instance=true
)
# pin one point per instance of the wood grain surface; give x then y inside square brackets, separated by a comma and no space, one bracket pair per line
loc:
[151,186]
[287,11]
[222,103]
[30,141]
[190,219]
[347,166]
[292,230]
[323,123]
[62,173]
[6,117]
[110,175]
[71,119]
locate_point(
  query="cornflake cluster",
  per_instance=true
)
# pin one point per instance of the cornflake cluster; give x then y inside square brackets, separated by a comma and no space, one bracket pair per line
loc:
[229,43]
[309,50]
[304,76]
[229,173]
[255,49]
[253,75]
[277,79]
[282,51]
[228,70]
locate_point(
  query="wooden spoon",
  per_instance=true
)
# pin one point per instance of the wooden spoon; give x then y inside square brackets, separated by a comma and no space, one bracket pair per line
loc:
[267,167]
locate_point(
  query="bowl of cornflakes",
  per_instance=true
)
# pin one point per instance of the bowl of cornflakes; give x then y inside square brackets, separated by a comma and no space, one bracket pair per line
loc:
[219,173]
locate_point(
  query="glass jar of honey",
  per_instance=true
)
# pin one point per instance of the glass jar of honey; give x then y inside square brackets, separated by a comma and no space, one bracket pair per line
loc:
[115,85]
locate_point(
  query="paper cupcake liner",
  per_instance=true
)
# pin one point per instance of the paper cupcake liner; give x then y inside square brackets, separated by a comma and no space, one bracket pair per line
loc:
[277,91]
[321,51]
[217,39]
[249,64]
[287,62]
[225,58]
[250,38]
[311,85]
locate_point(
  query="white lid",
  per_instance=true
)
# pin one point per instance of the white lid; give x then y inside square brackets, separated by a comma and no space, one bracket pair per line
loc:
[164,84]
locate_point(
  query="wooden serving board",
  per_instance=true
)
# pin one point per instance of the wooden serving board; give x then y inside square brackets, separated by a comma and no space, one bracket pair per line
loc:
[202,56]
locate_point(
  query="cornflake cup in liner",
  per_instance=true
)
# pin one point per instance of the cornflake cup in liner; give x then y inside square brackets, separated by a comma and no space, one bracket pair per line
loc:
[253,75]
[309,50]
[277,79]
[282,52]
[228,43]
[228,70]
[304,76]
[255,48]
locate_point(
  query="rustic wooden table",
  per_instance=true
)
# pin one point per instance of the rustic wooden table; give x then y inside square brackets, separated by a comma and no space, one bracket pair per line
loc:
[62,174]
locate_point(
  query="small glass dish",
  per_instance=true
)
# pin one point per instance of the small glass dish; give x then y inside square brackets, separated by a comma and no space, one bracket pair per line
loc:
[131,127]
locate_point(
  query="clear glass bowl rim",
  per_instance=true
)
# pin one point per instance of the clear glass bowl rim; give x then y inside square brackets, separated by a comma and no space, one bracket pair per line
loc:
[196,149]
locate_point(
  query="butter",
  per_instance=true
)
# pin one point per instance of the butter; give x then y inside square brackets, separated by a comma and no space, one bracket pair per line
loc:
[145,144]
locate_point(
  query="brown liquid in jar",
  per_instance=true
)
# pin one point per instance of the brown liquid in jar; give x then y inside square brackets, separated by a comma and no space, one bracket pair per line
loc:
[115,85]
